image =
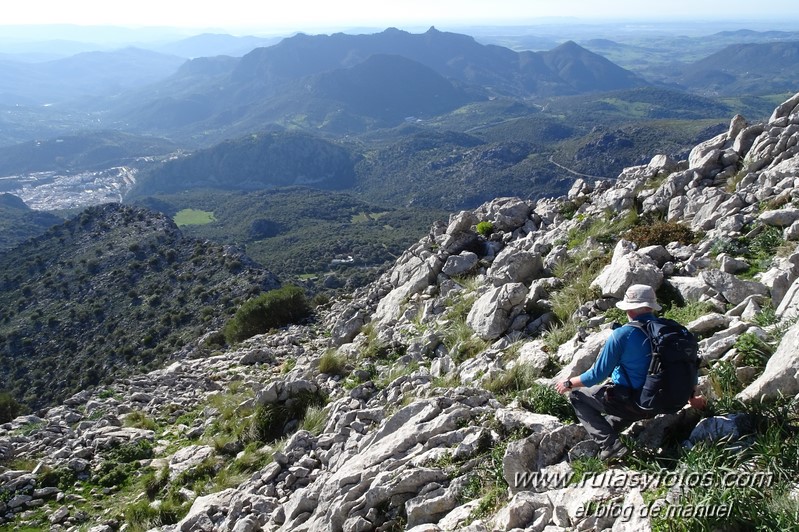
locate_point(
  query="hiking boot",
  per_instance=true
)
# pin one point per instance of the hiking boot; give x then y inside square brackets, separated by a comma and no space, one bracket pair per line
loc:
[614,452]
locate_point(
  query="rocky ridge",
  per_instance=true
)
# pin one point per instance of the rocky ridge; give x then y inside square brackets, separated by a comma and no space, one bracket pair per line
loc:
[411,436]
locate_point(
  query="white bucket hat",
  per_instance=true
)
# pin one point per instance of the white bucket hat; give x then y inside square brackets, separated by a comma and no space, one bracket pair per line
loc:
[639,296]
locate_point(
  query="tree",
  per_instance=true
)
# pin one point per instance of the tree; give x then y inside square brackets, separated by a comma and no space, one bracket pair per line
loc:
[9,407]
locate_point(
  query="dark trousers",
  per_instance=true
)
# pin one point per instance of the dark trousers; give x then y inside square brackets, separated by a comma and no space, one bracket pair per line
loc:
[601,420]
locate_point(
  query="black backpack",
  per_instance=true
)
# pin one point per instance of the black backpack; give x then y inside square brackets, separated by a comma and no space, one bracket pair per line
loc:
[673,369]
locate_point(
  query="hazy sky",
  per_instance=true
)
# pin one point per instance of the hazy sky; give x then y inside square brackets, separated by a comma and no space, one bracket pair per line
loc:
[310,14]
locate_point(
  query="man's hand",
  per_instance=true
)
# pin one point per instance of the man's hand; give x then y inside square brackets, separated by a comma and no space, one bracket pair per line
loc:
[562,388]
[698,402]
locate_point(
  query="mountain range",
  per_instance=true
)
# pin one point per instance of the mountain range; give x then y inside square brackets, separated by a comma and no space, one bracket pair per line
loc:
[427,399]
[435,120]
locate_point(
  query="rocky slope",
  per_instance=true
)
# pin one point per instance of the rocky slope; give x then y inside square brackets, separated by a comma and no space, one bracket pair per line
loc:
[437,378]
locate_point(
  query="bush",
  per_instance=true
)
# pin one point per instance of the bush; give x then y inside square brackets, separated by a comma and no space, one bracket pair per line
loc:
[142,516]
[485,228]
[332,363]
[9,407]
[518,378]
[272,420]
[752,350]
[271,310]
[659,233]
[139,420]
[546,400]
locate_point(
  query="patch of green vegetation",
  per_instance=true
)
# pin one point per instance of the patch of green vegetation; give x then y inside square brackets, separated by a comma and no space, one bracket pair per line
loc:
[152,291]
[752,482]
[585,467]
[546,400]
[270,310]
[9,407]
[725,384]
[579,273]
[605,230]
[396,371]
[558,334]
[139,420]
[659,233]
[752,350]
[271,421]
[519,378]
[487,483]
[689,312]
[186,217]
[485,228]
[314,420]
[333,363]
[288,230]
[363,216]
[758,250]
[617,315]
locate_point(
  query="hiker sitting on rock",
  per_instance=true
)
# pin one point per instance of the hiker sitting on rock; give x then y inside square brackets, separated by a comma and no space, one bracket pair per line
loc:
[606,410]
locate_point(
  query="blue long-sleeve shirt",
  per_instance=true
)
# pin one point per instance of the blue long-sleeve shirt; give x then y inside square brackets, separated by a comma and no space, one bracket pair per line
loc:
[627,347]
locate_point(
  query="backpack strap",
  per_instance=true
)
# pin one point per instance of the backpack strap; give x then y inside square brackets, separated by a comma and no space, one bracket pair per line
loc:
[641,327]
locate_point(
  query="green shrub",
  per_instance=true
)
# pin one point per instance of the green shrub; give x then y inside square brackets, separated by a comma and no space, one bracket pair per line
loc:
[546,400]
[62,478]
[139,420]
[759,250]
[689,312]
[9,407]
[141,515]
[659,233]
[113,474]
[753,350]
[616,315]
[270,310]
[518,378]
[132,451]
[270,421]
[485,228]
[332,363]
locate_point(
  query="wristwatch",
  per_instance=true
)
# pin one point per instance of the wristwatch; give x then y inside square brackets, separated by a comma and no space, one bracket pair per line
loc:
[568,384]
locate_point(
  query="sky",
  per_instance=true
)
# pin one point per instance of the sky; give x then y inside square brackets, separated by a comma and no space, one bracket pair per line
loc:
[302,15]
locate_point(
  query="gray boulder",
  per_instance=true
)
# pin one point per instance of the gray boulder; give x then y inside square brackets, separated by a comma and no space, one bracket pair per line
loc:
[627,268]
[514,266]
[460,264]
[507,214]
[781,376]
[779,218]
[734,290]
[689,288]
[493,312]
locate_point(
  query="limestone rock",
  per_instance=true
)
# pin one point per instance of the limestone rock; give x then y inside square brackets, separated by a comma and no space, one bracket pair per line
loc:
[730,287]
[779,218]
[515,266]
[460,264]
[781,375]
[507,214]
[627,268]
[492,313]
